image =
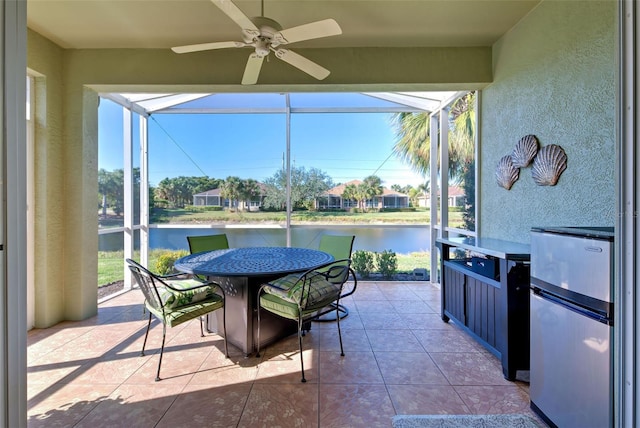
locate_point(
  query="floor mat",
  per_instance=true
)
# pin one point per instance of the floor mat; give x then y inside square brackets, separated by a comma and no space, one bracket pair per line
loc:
[465,421]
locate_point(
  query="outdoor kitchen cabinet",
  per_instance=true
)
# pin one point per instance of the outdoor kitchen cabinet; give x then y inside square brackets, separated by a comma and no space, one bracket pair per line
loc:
[484,287]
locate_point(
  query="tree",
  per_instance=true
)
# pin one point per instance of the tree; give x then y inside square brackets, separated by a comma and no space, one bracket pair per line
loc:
[231,189]
[276,191]
[424,189]
[413,145]
[306,187]
[469,187]
[249,189]
[107,187]
[311,185]
[370,187]
[111,189]
[179,191]
[414,195]
[413,135]
[462,149]
[350,192]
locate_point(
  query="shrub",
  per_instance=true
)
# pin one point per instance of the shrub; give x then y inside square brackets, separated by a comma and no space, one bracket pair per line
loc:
[362,262]
[398,210]
[165,261]
[202,208]
[387,263]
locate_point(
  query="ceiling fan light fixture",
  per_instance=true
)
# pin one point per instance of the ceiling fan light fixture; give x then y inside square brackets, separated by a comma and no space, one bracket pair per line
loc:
[262,47]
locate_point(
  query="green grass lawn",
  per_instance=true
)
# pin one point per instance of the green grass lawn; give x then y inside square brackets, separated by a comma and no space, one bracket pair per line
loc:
[411,261]
[420,216]
[111,264]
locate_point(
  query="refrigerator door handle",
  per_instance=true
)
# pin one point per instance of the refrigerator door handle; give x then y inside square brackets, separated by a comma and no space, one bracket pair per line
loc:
[571,306]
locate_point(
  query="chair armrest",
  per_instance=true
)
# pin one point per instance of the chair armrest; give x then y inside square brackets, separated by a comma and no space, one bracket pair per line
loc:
[174,275]
[355,284]
[195,287]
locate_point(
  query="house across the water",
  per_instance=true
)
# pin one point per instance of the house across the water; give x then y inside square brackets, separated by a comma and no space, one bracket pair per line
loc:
[332,199]
[213,198]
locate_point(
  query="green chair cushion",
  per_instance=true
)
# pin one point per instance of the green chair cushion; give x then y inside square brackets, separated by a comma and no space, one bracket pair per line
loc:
[173,317]
[286,309]
[290,288]
[172,299]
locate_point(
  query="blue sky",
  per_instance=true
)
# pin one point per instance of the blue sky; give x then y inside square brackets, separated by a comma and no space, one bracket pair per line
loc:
[345,146]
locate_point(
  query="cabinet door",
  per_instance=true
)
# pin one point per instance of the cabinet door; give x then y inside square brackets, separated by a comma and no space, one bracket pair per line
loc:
[454,294]
[482,307]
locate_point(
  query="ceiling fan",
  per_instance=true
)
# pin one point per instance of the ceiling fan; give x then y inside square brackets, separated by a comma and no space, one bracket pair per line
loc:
[266,35]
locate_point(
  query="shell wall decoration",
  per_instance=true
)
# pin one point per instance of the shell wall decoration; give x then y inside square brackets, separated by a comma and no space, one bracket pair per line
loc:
[506,173]
[525,151]
[548,165]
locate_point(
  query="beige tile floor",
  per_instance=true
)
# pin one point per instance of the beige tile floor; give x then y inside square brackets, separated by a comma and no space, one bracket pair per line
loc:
[400,359]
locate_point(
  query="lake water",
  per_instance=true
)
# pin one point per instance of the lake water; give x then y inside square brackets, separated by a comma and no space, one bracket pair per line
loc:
[399,239]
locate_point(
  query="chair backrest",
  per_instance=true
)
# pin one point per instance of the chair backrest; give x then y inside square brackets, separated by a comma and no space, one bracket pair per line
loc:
[323,285]
[197,244]
[339,246]
[147,282]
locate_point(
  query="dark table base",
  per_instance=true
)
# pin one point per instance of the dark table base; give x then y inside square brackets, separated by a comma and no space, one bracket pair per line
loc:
[242,315]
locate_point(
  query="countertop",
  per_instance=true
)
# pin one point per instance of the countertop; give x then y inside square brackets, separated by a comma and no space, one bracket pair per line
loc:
[491,247]
[596,232]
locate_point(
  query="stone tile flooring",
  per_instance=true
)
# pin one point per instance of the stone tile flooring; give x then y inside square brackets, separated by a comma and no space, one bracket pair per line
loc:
[400,359]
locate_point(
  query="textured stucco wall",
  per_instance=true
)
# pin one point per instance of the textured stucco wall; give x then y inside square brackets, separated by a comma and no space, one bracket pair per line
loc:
[554,77]
[46,60]
[65,185]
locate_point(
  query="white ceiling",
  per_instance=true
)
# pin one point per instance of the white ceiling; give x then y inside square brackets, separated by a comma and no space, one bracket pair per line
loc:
[87,24]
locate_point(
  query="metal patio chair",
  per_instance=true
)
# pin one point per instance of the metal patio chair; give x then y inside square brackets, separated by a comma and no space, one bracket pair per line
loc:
[304,296]
[174,300]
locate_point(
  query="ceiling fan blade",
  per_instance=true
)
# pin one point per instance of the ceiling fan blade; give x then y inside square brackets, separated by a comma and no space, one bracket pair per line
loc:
[252,69]
[233,12]
[313,30]
[302,63]
[207,46]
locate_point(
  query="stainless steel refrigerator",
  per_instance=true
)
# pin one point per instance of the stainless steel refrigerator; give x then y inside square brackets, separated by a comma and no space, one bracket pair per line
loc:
[571,382]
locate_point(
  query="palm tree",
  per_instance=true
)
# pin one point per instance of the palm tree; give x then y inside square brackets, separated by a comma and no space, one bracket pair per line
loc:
[462,134]
[413,134]
[414,146]
[424,188]
[414,140]
[370,187]
[350,192]
[249,189]
[230,189]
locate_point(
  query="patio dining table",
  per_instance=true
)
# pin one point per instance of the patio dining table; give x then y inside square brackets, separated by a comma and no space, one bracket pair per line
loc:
[241,272]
